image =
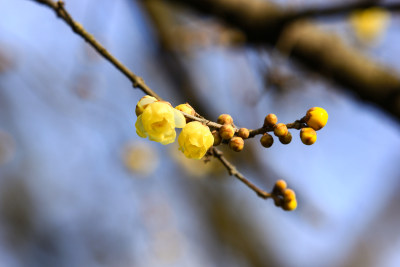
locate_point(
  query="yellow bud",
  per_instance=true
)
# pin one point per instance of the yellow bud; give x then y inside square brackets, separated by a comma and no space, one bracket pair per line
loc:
[289,195]
[316,118]
[279,187]
[236,144]
[280,129]
[308,136]
[244,133]
[226,131]
[266,140]
[225,119]
[217,138]
[270,120]
[289,206]
[286,139]
[187,109]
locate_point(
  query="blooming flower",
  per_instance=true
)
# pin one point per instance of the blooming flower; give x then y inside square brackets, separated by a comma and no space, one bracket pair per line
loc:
[195,139]
[158,121]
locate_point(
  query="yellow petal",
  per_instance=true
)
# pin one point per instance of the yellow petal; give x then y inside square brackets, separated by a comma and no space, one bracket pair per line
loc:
[180,120]
[139,127]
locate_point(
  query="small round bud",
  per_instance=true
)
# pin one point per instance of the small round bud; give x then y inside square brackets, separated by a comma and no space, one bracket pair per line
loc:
[226,131]
[280,129]
[279,187]
[289,195]
[187,109]
[244,133]
[270,120]
[308,136]
[278,201]
[286,139]
[289,206]
[217,138]
[316,118]
[236,144]
[225,119]
[266,140]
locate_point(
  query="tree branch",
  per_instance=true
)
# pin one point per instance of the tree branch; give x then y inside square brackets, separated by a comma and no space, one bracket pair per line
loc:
[266,23]
[138,82]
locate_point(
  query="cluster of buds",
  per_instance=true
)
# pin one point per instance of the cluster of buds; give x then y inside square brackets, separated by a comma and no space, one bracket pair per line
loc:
[228,133]
[315,119]
[283,196]
[280,131]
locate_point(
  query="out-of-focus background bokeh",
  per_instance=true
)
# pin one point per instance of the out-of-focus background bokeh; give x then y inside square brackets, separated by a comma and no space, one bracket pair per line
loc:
[78,187]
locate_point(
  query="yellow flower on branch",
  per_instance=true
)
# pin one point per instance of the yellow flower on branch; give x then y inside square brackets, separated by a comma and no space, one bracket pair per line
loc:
[369,24]
[158,121]
[195,139]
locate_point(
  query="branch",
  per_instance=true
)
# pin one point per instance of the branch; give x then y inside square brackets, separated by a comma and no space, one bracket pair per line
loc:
[266,23]
[138,82]
[62,13]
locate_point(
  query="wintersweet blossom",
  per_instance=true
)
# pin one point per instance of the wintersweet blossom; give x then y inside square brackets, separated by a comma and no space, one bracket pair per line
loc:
[158,121]
[195,139]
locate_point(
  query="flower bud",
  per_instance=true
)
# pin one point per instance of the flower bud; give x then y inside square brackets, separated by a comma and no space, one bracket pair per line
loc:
[266,140]
[143,103]
[286,139]
[226,131]
[270,120]
[217,138]
[278,201]
[280,129]
[236,144]
[244,133]
[289,195]
[316,118]
[279,187]
[187,109]
[289,206]
[225,119]
[308,136]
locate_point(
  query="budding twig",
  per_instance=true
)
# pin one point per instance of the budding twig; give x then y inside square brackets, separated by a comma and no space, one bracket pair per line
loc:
[138,82]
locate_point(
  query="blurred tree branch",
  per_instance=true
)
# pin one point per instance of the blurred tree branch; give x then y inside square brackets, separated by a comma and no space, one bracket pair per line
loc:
[264,22]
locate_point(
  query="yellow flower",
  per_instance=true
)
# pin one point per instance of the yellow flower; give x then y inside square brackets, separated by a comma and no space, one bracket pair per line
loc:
[316,118]
[370,23]
[158,122]
[195,139]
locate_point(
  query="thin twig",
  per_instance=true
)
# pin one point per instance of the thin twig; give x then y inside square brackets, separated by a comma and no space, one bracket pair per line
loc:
[233,171]
[62,13]
[138,82]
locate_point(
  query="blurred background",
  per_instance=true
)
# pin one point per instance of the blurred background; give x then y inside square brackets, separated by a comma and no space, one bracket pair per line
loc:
[78,187]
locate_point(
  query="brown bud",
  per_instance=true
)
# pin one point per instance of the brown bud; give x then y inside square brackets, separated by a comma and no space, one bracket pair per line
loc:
[226,131]
[217,138]
[278,201]
[266,140]
[225,119]
[270,120]
[244,133]
[280,129]
[236,144]
[279,187]
[286,139]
